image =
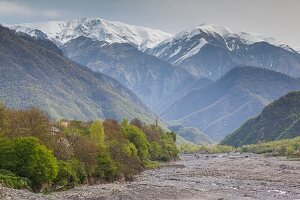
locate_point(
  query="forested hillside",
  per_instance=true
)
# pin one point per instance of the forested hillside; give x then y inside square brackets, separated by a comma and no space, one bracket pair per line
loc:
[279,120]
[34,72]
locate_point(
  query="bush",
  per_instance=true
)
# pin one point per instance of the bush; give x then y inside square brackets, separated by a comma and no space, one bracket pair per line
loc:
[79,169]
[139,139]
[66,177]
[169,148]
[155,151]
[106,167]
[9,179]
[27,158]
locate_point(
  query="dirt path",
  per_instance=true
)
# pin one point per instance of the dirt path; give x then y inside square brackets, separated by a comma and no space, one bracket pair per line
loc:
[226,176]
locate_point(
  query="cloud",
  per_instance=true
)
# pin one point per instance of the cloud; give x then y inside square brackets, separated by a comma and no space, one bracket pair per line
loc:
[9,8]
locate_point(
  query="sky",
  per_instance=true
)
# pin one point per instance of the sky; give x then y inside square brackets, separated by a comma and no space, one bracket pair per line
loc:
[277,18]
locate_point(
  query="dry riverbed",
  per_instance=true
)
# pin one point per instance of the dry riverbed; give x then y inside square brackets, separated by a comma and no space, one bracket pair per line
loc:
[224,176]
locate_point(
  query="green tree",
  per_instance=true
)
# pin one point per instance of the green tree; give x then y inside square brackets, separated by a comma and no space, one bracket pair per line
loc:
[155,151]
[26,157]
[97,133]
[67,176]
[139,139]
[107,168]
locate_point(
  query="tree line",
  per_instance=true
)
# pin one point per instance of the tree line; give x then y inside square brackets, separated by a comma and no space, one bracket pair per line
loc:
[55,155]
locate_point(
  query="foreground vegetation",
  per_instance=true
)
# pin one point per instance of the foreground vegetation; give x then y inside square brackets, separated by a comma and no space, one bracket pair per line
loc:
[43,155]
[287,147]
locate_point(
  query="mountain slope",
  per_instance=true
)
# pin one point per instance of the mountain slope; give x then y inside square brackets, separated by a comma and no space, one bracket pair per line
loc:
[211,51]
[279,120]
[149,77]
[35,73]
[99,29]
[223,106]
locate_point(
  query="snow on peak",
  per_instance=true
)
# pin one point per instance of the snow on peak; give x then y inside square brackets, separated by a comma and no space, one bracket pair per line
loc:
[245,37]
[96,28]
[225,32]
[187,43]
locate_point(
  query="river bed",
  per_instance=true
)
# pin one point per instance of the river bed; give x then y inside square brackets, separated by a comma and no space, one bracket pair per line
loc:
[195,176]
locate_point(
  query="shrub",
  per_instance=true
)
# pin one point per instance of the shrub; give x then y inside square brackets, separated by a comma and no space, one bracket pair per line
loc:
[9,179]
[169,148]
[139,139]
[66,177]
[79,169]
[97,133]
[155,151]
[106,167]
[27,158]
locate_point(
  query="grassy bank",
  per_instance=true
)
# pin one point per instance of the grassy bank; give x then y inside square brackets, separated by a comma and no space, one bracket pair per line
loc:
[209,148]
[287,147]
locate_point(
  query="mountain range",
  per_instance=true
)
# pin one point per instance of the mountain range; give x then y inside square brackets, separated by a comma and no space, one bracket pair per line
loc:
[211,51]
[34,72]
[198,78]
[221,107]
[285,112]
[99,29]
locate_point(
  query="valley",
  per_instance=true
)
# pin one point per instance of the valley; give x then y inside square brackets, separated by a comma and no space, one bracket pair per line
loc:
[166,107]
[209,79]
[201,176]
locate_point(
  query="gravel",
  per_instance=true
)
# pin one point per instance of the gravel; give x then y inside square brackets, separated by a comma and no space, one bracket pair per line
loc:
[219,177]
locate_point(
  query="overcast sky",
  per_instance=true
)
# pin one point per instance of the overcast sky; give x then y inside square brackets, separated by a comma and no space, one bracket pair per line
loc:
[277,18]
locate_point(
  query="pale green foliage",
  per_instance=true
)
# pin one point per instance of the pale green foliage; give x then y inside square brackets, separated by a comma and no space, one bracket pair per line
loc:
[139,139]
[211,148]
[97,133]
[130,149]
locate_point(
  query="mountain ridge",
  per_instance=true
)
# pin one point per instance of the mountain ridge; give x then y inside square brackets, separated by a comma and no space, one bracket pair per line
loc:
[95,28]
[222,106]
[284,111]
[211,51]
[35,73]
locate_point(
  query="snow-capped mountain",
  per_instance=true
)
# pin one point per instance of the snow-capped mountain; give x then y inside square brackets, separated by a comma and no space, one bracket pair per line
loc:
[61,32]
[211,51]
[207,33]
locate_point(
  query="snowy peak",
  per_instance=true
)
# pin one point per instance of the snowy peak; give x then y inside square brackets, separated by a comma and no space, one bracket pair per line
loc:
[246,38]
[187,43]
[97,29]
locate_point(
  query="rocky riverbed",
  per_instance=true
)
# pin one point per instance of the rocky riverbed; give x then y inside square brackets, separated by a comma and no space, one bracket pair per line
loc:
[219,177]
